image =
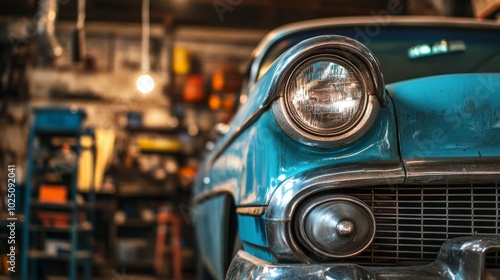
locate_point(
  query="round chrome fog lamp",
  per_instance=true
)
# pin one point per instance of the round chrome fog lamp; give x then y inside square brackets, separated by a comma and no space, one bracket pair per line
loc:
[335,226]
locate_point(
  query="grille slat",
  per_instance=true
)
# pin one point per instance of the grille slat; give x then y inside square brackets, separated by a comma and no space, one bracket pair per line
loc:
[439,218]
[414,221]
[406,245]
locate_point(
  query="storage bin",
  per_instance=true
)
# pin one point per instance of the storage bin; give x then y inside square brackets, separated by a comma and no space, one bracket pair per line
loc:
[62,120]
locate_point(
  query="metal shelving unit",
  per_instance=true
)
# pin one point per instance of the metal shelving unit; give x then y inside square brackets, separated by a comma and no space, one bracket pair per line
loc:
[47,124]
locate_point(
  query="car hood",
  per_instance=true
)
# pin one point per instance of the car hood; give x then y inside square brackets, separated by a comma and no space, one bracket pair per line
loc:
[449,116]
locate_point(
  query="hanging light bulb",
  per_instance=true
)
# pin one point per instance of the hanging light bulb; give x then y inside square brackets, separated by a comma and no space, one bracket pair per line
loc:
[145,83]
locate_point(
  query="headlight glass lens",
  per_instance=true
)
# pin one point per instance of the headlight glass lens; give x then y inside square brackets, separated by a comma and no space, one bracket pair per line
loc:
[325,96]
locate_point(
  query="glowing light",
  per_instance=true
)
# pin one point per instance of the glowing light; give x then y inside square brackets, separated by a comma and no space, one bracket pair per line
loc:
[437,48]
[243,98]
[206,180]
[425,49]
[145,84]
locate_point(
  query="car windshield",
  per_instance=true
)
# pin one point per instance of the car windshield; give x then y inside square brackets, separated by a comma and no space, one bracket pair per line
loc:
[412,52]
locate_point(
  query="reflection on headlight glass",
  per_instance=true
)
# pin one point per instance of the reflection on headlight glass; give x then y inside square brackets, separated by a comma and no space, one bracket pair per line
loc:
[325,95]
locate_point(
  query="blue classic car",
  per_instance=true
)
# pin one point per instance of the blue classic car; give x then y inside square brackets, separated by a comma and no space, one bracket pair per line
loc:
[361,149]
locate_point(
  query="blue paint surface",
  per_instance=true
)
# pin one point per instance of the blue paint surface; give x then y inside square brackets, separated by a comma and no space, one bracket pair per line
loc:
[448,116]
[254,237]
[208,218]
[252,229]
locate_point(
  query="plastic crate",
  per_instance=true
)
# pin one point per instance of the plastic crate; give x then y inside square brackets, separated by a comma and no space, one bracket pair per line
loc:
[58,120]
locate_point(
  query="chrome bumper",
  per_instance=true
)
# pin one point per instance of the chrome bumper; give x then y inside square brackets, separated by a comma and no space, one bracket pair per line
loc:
[460,258]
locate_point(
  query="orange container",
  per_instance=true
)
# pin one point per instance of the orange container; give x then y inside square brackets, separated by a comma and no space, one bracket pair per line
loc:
[193,89]
[53,194]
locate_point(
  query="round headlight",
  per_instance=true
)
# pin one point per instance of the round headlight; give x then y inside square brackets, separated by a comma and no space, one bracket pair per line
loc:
[326,95]
[335,227]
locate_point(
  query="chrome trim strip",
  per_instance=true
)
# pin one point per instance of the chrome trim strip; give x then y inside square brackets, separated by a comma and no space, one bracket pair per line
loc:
[341,176]
[460,258]
[445,170]
[295,189]
[251,211]
[442,170]
[289,29]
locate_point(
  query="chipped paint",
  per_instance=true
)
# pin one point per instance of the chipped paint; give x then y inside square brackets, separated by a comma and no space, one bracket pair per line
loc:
[448,116]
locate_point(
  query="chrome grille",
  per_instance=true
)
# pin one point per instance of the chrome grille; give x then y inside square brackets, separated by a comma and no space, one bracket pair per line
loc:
[414,221]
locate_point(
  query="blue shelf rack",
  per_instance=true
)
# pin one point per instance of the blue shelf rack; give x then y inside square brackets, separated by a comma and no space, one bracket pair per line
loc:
[48,123]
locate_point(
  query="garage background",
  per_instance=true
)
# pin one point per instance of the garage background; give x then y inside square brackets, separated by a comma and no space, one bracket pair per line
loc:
[144,143]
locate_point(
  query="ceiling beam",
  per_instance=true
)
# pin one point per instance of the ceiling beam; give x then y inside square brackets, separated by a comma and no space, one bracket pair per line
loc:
[247,14]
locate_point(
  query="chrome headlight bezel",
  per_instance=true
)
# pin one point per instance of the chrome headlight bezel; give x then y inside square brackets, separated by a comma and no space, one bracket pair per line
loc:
[363,64]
